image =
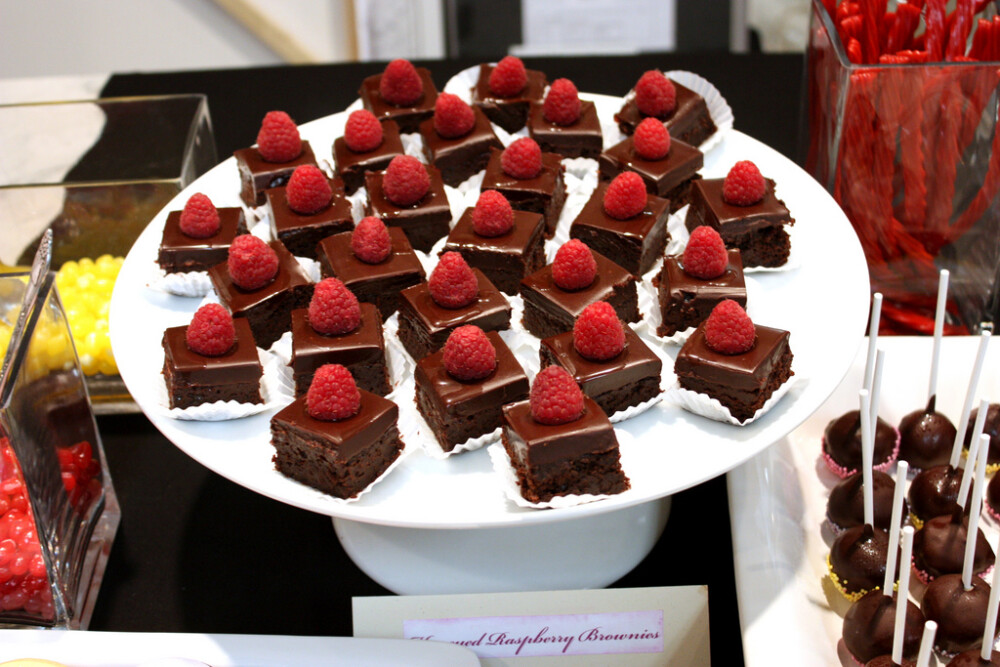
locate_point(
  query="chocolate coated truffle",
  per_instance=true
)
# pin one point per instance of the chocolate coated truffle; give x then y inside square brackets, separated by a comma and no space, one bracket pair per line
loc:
[926,437]
[959,613]
[869,625]
[842,444]
[846,506]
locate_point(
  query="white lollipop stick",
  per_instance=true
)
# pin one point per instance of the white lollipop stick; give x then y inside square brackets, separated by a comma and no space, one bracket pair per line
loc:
[926,645]
[866,457]
[977,499]
[902,596]
[872,338]
[991,617]
[977,429]
[894,526]
[876,389]
[970,395]
[942,300]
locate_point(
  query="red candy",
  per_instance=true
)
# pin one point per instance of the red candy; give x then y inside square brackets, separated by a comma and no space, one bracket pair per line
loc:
[598,334]
[626,196]
[562,103]
[453,118]
[199,219]
[400,83]
[509,77]
[728,329]
[363,132]
[469,354]
[211,331]
[493,215]
[333,395]
[308,190]
[333,309]
[655,94]
[705,255]
[574,266]
[252,263]
[651,139]
[370,241]
[452,283]
[278,139]
[406,180]
[522,158]
[743,185]
[555,397]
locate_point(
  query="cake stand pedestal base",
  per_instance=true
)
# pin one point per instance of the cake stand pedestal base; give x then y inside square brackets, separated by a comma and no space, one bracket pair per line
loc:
[589,552]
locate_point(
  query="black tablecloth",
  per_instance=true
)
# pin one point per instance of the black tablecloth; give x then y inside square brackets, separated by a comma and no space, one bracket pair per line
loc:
[197,553]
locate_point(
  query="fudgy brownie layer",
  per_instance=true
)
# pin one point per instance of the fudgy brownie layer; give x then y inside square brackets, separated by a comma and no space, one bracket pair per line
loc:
[743,404]
[543,318]
[183,394]
[596,474]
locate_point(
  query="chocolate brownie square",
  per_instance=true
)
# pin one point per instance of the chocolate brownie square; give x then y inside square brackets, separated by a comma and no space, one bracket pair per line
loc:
[507,258]
[458,410]
[407,117]
[577,458]
[257,174]
[551,310]
[300,232]
[510,113]
[690,121]
[635,243]
[669,177]
[340,458]
[460,157]
[545,193]
[628,379]
[685,301]
[372,283]
[580,139]
[269,308]
[424,222]
[193,379]
[352,167]
[181,253]
[361,351]
[424,326]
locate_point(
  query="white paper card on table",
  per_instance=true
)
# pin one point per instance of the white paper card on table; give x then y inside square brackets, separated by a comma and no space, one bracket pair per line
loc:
[638,626]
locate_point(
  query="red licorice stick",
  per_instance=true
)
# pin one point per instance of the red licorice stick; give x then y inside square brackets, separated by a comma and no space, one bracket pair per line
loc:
[981,5]
[995,40]
[985,194]
[854,51]
[935,36]
[907,19]
[981,39]
[942,121]
[958,36]
[869,37]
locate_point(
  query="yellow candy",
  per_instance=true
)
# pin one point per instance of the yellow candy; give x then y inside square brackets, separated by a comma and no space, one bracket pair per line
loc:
[85,288]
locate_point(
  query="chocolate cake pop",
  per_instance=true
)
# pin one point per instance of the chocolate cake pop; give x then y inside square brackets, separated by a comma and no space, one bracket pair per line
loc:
[973,659]
[939,547]
[869,626]
[845,506]
[926,437]
[842,444]
[960,613]
[856,562]
[991,427]
[934,492]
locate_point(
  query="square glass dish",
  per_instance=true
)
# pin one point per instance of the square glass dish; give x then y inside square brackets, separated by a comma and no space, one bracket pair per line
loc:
[58,509]
[95,173]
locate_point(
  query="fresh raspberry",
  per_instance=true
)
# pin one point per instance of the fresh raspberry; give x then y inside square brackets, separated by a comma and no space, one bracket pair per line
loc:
[522,158]
[199,219]
[308,190]
[333,396]
[655,94]
[363,132]
[278,139]
[743,185]
[562,103]
[555,397]
[728,328]
[493,215]
[574,266]
[252,263]
[705,255]
[400,84]
[406,180]
[370,240]
[469,354]
[452,283]
[626,196]
[211,331]
[509,77]
[333,309]
[453,118]
[651,139]
[598,333]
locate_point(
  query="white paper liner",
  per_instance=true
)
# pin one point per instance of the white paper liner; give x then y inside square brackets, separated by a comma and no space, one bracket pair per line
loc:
[706,406]
[188,284]
[274,389]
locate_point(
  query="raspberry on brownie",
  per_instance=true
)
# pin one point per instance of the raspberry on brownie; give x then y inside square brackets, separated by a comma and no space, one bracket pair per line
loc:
[556,294]
[506,245]
[410,195]
[623,221]
[401,93]
[462,387]
[530,180]
[560,442]
[754,220]
[505,92]
[188,244]
[455,294]
[686,115]
[367,145]
[213,358]
[271,162]
[609,361]
[337,438]
[458,139]
[564,124]
[307,210]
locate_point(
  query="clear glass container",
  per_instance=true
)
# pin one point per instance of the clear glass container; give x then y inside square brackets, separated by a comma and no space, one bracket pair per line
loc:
[95,173]
[58,509]
[911,153]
